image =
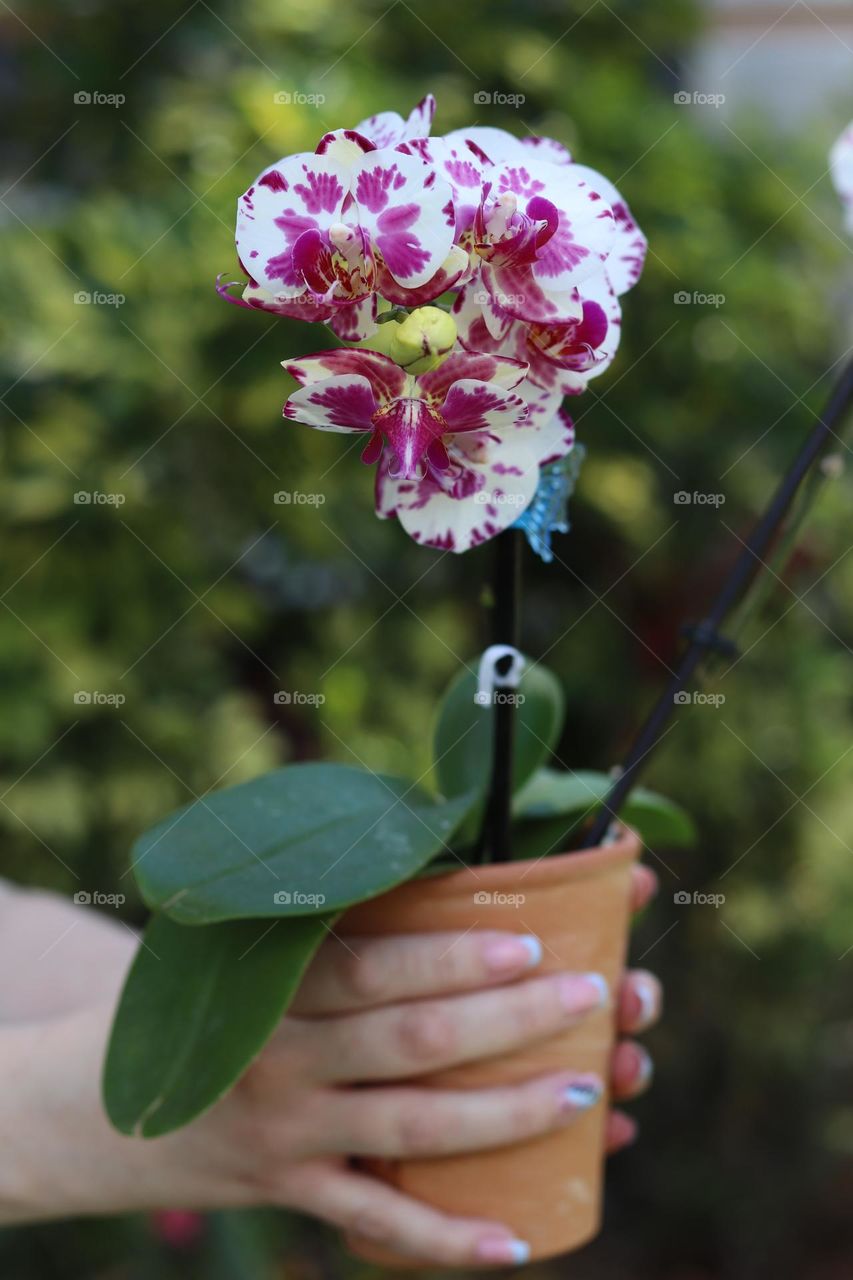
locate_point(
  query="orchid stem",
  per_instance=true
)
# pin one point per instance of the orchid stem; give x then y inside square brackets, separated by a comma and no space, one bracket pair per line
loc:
[495,842]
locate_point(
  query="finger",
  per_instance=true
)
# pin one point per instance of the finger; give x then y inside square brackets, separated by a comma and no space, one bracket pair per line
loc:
[358,973]
[631,1070]
[402,1041]
[370,1211]
[640,1001]
[644,886]
[400,1121]
[621,1131]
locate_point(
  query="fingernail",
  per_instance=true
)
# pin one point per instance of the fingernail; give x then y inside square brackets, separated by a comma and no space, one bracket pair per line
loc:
[580,993]
[582,1093]
[523,952]
[645,1067]
[646,991]
[500,1249]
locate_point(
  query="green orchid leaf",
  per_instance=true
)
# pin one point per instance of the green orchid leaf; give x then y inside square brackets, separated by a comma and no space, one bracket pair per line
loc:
[553,804]
[305,839]
[197,1007]
[463,737]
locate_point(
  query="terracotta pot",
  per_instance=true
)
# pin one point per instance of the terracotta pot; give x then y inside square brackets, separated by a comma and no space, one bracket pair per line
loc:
[548,1190]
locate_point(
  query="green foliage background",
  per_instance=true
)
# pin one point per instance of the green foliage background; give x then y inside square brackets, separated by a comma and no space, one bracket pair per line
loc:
[199,598]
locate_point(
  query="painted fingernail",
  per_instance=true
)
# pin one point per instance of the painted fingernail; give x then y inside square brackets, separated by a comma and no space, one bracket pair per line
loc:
[523,952]
[499,1249]
[580,993]
[582,1094]
[645,1068]
[645,988]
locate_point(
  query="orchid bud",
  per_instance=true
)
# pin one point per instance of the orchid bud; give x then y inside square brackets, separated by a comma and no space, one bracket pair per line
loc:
[423,339]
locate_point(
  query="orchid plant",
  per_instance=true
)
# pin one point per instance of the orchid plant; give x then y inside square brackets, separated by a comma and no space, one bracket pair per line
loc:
[471,283]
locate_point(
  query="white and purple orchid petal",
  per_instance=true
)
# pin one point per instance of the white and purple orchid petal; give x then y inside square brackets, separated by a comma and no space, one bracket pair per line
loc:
[386,378]
[841,165]
[299,194]
[413,430]
[355,322]
[551,438]
[303,307]
[462,167]
[498,146]
[343,403]
[627,255]
[579,239]
[388,128]
[449,274]
[473,366]
[407,211]
[482,406]
[517,292]
[346,146]
[547,149]
[485,489]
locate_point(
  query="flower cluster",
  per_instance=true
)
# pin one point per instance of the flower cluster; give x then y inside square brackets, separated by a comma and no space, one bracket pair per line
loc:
[474,280]
[841,165]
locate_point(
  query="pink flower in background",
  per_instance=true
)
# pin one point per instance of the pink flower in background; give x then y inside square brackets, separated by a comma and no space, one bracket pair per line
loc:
[841,163]
[177,1228]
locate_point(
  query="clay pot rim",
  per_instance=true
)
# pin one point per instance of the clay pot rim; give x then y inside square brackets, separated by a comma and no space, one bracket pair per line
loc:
[542,872]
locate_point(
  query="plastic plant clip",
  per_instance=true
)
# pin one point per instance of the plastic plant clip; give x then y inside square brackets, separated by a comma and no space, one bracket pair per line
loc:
[490,676]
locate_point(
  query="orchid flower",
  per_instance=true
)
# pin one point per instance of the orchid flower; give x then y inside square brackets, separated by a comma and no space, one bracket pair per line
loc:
[457,449]
[322,233]
[562,358]
[841,163]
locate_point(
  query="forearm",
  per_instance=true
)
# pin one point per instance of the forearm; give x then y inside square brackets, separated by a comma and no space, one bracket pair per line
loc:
[62,1158]
[56,956]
